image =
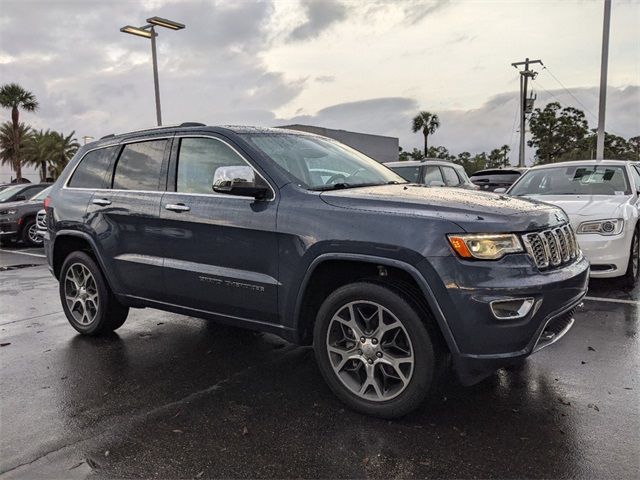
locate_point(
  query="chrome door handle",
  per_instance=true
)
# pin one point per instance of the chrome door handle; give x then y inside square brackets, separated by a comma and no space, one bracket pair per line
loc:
[101,201]
[177,207]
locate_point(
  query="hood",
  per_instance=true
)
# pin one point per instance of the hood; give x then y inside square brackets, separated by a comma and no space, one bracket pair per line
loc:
[474,211]
[595,206]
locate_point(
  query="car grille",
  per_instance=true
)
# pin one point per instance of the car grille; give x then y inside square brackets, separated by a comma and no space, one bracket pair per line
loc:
[41,220]
[552,248]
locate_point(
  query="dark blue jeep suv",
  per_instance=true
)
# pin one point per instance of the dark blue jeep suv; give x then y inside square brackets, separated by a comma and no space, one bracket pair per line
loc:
[301,236]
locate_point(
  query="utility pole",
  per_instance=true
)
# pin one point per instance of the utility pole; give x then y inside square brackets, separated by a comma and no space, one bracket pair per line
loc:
[604,62]
[524,82]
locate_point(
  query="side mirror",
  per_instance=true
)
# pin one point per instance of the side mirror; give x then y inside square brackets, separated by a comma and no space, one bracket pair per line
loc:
[241,181]
[20,198]
[436,183]
[500,190]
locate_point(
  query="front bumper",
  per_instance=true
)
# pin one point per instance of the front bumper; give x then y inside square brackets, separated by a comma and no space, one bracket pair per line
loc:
[480,342]
[608,256]
[9,229]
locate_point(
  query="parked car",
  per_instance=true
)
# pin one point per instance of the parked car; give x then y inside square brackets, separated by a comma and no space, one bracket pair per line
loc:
[602,199]
[493,178]
[18,220]
[435,173]
[390,281]
[21,191]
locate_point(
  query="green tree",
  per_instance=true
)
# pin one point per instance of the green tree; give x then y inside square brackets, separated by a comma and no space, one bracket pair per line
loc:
[440,152]
[14,97]
[62,149]
[37,151]
[498,157]
[634,147]
[426,122]
[12,141]
[556,131]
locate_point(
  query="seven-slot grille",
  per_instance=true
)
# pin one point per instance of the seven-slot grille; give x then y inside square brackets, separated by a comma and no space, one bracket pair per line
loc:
[553,247]
[41,220]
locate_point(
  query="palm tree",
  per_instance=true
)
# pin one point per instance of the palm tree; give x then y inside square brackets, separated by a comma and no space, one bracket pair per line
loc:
[15,97]
[427,122]
[37,151]
[12,141]
[61,150]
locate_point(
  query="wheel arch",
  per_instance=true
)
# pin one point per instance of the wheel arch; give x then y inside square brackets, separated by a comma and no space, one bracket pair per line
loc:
[359,267]
[68,241]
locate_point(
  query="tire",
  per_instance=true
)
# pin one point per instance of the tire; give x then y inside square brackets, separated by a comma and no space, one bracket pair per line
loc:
[630,278]
[87,301]
[28,236]
[360,373]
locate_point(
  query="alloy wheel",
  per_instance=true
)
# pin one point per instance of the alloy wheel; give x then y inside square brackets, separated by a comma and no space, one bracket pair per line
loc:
[81,294]
[32,233]
[370,350]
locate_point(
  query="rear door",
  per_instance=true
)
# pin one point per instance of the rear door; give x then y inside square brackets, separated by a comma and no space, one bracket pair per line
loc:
[130,230]
[221,251]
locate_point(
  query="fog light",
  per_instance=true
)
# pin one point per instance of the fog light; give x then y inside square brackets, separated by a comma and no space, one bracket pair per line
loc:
[511,308]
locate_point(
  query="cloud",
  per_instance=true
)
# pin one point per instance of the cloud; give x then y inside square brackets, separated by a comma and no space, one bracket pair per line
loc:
[320,15]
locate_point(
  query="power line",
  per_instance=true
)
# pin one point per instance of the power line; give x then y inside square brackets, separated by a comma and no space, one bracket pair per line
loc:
[569,92]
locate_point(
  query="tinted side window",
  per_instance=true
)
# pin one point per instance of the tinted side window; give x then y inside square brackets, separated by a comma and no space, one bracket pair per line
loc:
[432,174]
[450,177]
[198,159]
[91,171]
[411,174]
[139,166]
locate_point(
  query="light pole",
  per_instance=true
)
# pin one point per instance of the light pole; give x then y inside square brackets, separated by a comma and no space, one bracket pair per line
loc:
[604,63]
[149,31]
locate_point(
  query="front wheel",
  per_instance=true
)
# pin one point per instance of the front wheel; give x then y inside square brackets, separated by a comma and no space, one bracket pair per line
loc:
[30,236]
[630,278]
[374,350]
[87,300]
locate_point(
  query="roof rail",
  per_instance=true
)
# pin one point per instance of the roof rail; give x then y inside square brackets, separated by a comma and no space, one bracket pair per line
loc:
[184,124]
[192,124]
[111,135]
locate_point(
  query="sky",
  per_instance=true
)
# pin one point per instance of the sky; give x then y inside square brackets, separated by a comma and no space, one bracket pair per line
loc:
[361,65]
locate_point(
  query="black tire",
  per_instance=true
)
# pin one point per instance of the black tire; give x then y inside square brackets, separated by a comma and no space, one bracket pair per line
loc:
[630,278]
[109,314]
[408,313]
[25,236]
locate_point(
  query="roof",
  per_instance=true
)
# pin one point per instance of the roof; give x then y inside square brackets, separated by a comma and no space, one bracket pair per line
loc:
[584,162]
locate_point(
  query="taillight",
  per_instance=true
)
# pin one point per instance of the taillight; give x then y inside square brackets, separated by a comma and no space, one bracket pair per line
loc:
[47,201]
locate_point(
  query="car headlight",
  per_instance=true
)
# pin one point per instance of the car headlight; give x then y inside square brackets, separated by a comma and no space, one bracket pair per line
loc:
[485,246]
[8,212]
[602,227]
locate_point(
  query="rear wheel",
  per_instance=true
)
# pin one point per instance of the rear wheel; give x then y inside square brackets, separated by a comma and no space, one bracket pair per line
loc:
[630,278]
[374,350]
[87,300]
[30,235]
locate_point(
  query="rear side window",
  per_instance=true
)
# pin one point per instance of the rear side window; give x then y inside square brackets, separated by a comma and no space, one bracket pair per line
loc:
[139,166]
[432,174]
[450,177]
[198,159]
[92,169]
[636,176]
[411,174]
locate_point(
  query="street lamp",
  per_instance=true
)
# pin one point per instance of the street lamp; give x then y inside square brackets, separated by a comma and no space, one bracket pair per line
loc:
[149,31]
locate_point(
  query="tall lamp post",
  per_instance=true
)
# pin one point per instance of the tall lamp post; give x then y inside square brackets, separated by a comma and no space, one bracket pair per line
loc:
[149,31]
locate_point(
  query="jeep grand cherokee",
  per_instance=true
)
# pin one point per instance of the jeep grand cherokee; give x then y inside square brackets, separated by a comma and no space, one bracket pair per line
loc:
[301,236]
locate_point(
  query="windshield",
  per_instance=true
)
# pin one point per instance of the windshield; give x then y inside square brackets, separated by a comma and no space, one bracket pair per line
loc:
[9,192]
[574,180]
[42,195]
[322,164]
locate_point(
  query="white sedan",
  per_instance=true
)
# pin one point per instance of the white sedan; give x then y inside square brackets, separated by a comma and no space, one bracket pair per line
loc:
[602,200]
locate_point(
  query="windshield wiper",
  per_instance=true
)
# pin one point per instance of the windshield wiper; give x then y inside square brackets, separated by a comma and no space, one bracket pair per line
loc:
[343,185]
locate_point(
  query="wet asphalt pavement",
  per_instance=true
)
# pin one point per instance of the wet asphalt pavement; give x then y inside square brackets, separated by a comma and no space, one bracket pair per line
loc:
[175,397]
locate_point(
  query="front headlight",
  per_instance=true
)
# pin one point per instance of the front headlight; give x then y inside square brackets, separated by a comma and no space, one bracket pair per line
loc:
[602,227]
[485,246]
[8,212]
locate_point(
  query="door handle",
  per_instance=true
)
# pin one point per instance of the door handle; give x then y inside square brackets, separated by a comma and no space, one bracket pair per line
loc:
[177,207]
[101,201]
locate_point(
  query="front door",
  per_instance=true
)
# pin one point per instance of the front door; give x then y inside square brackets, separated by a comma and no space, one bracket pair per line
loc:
[220,250]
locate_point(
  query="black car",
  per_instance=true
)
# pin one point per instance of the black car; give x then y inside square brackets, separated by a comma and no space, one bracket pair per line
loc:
[432,172]
[21,191]
[494,178]
[18,220]
[299,235]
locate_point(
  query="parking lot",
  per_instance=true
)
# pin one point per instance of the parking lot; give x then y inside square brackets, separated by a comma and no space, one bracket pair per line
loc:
[175,397]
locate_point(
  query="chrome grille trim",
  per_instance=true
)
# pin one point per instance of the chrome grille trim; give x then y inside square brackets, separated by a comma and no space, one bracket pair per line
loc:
[41,220]
[552,247]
